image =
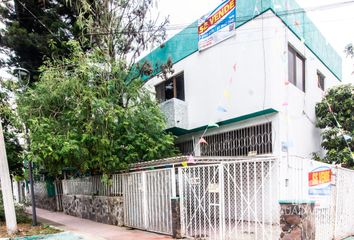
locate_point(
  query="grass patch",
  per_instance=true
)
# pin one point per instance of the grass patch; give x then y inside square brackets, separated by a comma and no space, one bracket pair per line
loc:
[26,229]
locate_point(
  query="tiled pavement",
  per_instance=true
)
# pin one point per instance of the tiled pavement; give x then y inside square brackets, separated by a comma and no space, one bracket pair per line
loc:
[93,230]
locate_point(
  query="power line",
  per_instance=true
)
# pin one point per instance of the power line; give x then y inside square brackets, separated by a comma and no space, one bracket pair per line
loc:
[254,29]
[51,33]
[175,27]
[241,19]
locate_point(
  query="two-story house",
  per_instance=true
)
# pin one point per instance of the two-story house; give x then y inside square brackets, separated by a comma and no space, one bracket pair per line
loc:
[260,85]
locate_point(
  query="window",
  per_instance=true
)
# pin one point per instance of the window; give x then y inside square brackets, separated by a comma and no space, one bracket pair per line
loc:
[186,148]
[240,142]
[321,80]
[172,88]
[296,66]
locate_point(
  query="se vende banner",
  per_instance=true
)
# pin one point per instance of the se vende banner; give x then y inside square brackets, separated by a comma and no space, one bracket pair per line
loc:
[217,25]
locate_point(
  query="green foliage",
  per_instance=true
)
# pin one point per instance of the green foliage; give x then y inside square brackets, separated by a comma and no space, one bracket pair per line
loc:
[11,129]
[82,114]
[21,215]
[341,100]
[38,30]
[121,29]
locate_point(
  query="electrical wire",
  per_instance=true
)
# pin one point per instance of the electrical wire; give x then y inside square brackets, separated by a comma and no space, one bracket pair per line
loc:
[240,19]
[248,17]
[51,33]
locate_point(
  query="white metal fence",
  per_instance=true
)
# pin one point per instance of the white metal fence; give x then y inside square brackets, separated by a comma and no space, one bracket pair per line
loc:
[147,200]
[226,198]
[230,200]
[333,217]
[344,207]
[335,221]
[94,186]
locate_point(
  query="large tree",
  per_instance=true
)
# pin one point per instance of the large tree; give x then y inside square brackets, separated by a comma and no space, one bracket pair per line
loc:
[335,115]
[122,29]
[87,110]
[83,114]
[36,30]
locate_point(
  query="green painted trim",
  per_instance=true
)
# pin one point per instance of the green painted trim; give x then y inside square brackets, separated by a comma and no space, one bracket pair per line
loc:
[296,202]
[180,131]
[185,43]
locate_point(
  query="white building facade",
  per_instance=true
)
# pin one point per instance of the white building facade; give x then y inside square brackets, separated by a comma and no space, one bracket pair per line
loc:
[260,86]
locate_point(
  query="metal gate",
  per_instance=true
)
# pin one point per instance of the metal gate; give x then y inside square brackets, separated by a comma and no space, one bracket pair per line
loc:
[58,186]
[230,200]
[147,200]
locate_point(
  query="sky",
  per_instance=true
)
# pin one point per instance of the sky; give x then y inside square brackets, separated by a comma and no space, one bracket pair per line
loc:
[336,24]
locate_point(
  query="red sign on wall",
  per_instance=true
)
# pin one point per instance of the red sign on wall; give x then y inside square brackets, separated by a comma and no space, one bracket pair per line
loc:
[320,177]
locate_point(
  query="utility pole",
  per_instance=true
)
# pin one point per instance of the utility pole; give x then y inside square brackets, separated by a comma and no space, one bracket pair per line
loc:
[9,207]
[20,72]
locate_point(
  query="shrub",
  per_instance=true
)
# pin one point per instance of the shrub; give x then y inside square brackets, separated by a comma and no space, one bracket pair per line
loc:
[21,215]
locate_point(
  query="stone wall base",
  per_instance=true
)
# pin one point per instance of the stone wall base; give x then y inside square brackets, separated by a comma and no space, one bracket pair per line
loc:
[44,202]
[297,221]
[108,210]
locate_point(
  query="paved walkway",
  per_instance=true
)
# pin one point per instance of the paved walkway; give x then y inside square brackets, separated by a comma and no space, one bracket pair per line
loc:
[92,230]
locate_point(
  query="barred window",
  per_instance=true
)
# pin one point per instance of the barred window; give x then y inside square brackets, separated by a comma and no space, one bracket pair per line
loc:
[186,148]
[241,142]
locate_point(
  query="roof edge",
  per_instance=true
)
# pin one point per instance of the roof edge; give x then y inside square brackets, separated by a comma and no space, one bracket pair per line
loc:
[171,48]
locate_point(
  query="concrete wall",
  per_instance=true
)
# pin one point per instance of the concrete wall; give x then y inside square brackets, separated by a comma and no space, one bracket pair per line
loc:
[259,51]
[108,210]
[297,121]
[208,74]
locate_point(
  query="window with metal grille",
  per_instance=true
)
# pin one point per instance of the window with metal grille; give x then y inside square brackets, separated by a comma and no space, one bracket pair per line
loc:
[186,148]
[241,142]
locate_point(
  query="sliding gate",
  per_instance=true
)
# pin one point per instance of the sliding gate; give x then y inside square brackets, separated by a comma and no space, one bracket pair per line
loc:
[230,200]
[147,200]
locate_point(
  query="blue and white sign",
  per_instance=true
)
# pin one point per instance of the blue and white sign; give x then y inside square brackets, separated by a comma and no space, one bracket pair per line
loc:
[320,186]
[217,25]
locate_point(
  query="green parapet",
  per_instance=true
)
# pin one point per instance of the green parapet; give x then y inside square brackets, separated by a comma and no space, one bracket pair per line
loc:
[185,42]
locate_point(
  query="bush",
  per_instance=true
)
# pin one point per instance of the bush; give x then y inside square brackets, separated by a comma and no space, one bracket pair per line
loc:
[21,215]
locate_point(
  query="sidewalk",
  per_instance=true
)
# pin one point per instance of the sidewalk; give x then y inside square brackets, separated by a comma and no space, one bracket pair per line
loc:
[93,230]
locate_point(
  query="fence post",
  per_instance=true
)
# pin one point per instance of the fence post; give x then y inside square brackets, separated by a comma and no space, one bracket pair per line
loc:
[335,192]
[181,200]
[145,210]
[173,182]
[176,218]
[221,200]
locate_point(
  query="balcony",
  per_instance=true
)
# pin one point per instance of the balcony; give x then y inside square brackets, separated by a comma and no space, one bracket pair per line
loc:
[176,114]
